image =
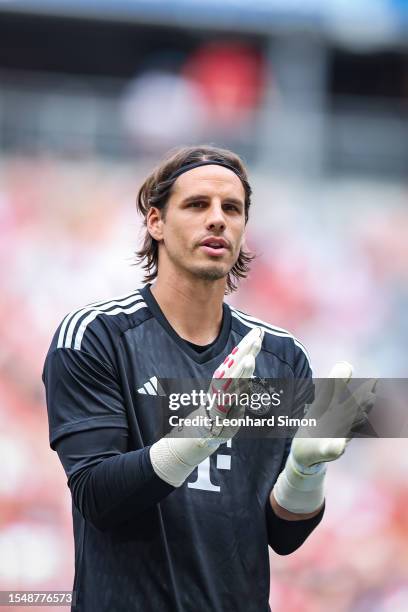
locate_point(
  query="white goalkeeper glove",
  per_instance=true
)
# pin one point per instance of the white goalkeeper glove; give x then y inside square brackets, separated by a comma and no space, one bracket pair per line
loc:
[299,487]
[174,458]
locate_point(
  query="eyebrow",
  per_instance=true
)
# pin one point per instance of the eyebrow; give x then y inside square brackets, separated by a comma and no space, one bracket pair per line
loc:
[195,198]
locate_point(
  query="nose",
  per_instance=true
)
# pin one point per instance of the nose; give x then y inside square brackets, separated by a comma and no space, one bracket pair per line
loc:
[215,219]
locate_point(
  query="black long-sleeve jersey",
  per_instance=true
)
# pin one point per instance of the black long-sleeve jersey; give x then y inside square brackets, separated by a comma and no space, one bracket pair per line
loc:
[141,544]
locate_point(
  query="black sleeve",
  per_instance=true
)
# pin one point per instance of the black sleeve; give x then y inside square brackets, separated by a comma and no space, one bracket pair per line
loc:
[83,393]
[287,536]
[89,430]
[284,536]
[109,486]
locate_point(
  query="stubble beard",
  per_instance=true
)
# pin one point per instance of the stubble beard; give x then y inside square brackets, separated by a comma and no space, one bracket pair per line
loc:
[206,273]
[209,273]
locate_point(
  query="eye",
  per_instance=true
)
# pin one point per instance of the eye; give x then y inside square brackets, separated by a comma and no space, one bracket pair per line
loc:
[197,204]
[233,207]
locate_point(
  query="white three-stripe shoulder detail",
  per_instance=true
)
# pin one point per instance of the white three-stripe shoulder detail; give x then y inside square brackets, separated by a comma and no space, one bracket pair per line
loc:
[79,312]
[92,315]
[252,322]
[69,323]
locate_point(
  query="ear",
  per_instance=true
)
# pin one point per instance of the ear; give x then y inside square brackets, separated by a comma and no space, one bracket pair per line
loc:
[154,223]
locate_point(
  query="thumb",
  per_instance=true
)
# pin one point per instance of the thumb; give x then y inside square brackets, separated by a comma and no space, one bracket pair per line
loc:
[343,370]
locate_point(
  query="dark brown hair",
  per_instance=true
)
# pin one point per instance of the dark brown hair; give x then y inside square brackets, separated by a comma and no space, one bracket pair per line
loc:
[156,191]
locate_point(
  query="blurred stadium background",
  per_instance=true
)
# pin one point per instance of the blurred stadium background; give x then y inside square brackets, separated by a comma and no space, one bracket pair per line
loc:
[314,95]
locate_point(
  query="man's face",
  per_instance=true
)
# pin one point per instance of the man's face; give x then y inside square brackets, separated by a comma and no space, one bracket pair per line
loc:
[204,222]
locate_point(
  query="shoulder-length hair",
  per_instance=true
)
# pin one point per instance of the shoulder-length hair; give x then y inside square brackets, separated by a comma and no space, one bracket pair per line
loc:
[156,191]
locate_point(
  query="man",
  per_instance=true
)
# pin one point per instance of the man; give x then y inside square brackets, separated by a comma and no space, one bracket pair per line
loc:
[166,523]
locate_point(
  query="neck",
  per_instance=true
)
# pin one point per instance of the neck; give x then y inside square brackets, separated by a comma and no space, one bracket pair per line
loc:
[192,307]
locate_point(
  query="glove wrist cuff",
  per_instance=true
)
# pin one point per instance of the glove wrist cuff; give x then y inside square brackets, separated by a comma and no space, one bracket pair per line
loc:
[307,469]
[173,459]
[297,491]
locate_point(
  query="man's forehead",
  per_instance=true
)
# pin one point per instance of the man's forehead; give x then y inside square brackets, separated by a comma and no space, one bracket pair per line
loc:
[209,178]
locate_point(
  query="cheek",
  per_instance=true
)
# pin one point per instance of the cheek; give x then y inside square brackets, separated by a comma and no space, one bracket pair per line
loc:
[176,235]
[239,232]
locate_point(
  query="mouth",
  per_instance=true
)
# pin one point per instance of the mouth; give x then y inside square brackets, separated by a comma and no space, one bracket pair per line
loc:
[215,247]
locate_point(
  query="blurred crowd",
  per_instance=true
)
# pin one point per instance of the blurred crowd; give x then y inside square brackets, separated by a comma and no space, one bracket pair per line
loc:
[332,267]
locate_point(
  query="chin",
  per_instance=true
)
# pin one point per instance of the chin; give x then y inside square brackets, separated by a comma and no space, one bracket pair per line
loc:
[211,273]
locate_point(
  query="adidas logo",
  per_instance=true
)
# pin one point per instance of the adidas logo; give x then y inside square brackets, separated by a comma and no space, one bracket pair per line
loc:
[151,387]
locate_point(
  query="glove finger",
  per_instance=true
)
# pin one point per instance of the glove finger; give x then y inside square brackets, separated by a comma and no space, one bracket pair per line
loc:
[245,369]
[353,411]
[249,345]
[239,366]
[248,367]
[361,396]
[241,384]
[323,395]
[317,450]
[329,388]
[226,388]
[333,448]
[364,410]
[343,370]
[252,342]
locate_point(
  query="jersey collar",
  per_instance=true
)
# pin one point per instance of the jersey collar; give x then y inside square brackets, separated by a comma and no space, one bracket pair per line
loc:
[213,351]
